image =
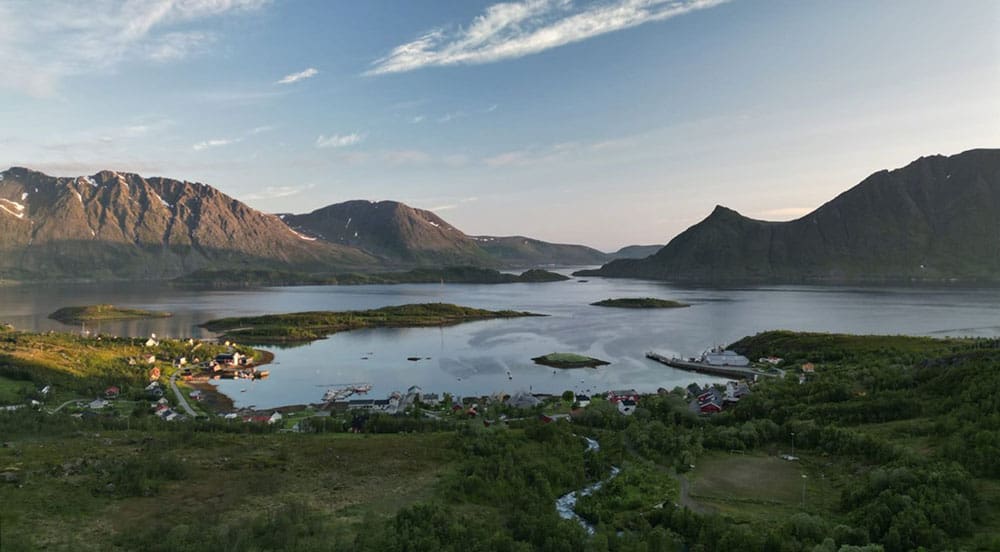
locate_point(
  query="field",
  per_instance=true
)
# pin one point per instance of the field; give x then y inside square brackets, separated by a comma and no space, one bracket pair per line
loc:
[754,485]
[133,485]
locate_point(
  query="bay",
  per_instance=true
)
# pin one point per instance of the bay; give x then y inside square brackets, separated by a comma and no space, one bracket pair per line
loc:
[493,356]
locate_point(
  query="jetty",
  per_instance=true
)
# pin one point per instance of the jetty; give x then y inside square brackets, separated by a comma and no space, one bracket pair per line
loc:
[739,372]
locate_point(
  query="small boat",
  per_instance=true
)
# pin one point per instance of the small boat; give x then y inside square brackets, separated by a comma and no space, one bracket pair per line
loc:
[413,359]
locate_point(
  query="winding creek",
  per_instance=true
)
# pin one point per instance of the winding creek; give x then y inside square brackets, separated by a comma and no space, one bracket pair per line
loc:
[566,504]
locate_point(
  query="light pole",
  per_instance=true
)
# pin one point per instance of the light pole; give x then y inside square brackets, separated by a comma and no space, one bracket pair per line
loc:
[793,443]
[804,477]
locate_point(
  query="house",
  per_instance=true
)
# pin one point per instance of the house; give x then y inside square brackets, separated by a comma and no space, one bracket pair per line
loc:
[694,390]
[46,390]
[150,359]
[228,359]
[431,399]
[710,407]
[808,368]
[623,395]
[154,373]
[735,391]
[360,404]
[708,394]
[626,407]
[275,418]
[98,404]
[385,405]
[341,406]
[772,360]
[112,392]
[582,401]
[523,400]
[152,342]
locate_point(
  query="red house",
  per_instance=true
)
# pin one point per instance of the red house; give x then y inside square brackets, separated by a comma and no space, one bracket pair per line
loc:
[623,395]
[710,407]
[112,392]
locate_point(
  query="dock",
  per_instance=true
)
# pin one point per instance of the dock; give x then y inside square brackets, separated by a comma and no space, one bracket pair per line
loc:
[738,372]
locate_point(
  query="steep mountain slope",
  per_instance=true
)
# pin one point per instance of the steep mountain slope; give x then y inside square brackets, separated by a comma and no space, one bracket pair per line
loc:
[635,251]
[522,252]
[393,231]
[119,225]
[932,220]
[403,235]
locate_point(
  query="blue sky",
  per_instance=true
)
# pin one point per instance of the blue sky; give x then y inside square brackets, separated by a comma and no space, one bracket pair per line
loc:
[605,122]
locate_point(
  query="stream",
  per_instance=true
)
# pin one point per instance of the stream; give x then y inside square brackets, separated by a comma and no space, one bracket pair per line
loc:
[565,504]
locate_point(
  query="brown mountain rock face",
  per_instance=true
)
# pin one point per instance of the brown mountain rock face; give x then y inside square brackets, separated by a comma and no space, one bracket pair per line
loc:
[121,225]
[395,232]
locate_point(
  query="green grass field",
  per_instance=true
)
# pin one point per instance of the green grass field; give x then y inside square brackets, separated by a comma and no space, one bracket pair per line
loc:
[756,486]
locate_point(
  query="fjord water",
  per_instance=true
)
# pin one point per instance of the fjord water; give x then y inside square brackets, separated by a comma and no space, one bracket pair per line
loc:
[495,355]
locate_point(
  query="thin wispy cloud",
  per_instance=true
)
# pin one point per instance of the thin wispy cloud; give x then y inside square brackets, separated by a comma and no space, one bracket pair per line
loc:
[219,142]
[516,29]
[44,41]
[338,140]
[275,192]
[301,75]
[214,143]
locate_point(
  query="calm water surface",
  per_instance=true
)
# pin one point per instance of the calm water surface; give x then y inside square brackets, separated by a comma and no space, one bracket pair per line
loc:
[493,356]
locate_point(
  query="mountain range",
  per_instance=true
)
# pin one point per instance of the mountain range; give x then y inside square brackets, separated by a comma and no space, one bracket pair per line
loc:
[932,220]
[114,225]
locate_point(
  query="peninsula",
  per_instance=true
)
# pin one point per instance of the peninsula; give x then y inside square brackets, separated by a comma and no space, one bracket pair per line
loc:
[301,327]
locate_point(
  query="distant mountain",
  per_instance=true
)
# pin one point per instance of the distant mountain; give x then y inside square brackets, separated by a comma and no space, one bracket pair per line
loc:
[121,225]
[635,251]
[933,220]
[395,232]
[402,235]
[520,251]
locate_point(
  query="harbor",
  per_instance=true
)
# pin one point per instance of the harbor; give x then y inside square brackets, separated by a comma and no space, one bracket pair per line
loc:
[701,366]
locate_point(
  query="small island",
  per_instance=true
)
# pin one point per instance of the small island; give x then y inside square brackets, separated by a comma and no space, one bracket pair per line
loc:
[100,313]
[640,303]
[302,327]
[569,360]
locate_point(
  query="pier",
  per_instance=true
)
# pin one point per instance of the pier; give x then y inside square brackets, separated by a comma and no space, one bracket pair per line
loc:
[739,372]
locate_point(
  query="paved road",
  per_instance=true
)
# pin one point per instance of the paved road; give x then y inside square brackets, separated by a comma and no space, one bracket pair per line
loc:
[181,399]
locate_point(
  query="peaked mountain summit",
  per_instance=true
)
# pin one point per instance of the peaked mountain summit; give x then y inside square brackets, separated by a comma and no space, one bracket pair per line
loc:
[123,226]
[932,220]
[393,231]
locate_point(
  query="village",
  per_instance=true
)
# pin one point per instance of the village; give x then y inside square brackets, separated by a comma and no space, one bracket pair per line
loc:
[179,393]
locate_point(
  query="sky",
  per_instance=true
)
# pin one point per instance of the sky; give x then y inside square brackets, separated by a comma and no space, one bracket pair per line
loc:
[602,122]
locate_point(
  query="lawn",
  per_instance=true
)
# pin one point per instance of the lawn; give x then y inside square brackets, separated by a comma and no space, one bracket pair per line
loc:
[755,485]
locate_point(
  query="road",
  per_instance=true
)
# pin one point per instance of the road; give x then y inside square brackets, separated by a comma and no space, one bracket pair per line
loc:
[67,403]
[181,399]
